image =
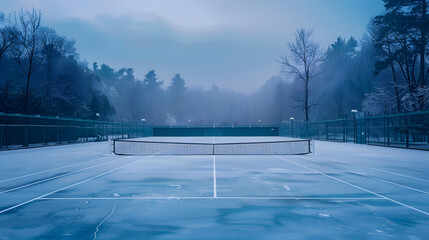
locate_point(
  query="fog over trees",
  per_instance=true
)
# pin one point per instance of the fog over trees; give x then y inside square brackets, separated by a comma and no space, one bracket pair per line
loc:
[383,72]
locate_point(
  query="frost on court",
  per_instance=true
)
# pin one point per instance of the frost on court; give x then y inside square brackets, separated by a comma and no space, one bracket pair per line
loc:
[176,196]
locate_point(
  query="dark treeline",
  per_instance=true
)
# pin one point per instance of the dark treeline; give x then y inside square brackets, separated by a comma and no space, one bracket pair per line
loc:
[384,72]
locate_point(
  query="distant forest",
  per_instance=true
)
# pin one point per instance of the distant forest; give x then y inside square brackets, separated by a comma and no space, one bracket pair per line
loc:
[383,72]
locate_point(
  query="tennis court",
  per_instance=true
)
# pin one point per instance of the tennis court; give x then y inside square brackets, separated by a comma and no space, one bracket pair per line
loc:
[344,191]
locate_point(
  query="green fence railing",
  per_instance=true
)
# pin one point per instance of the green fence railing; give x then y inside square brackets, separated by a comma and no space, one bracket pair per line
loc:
[408,130]
[17,131]
[231,130]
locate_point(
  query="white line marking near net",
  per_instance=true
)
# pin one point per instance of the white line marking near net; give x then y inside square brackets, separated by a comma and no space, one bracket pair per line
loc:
[49,170]
[217,171]
[214,177]
[367,175]
[355,186]
[69,186]
[232,198]
[170,172]
[377,169]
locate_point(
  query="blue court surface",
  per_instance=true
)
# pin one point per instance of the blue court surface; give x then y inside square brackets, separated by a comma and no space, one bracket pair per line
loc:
[344,191]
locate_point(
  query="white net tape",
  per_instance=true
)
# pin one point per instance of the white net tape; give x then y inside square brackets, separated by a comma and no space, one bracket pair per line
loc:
[130,147]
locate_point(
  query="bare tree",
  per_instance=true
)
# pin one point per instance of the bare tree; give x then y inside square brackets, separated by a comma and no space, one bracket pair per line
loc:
[301,62]
[54,47]
[6,36]
[28,47]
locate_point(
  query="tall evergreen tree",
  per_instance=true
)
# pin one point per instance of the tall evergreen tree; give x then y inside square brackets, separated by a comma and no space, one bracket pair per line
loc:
[405,26]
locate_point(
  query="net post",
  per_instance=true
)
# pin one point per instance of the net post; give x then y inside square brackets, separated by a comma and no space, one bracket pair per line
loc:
[313,147]
[112,146]
[109,147]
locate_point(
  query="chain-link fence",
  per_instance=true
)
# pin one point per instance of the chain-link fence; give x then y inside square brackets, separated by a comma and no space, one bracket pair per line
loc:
[17,131]
[408,130]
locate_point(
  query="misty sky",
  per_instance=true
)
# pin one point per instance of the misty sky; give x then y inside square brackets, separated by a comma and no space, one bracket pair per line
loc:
[234,44]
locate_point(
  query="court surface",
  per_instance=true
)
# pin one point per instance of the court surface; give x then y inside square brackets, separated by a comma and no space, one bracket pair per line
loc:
[344,191]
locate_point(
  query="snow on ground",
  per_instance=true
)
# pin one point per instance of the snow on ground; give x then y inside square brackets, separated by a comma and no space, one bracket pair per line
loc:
[345,191]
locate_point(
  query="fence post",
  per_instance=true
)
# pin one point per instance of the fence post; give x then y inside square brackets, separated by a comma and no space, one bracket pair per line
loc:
[26,133]
[5,131]
[45,140]
[327,131]
[407,132]
[1,137]
[388,132]
[365,130]
[369,128]
[354,129]
[72,129]
[344,129]
[58,135]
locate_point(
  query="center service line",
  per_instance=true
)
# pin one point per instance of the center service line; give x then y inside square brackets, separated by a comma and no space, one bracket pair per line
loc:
[214,177]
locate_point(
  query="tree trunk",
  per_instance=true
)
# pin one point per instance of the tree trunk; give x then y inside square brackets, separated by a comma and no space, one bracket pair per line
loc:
[26,93]
[395,86]
[306,108]
[423,42]
[395,81]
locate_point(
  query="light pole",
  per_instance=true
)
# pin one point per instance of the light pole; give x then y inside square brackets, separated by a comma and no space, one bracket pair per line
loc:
[98,127]
[291,125]
[143,120]
[189,123]
[260,124]
[354,111]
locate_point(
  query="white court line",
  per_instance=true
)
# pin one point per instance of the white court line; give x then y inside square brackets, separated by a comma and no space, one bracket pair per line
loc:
[367,175]
[62,175]
[222,171]
[72,185]
[172,172]
[361,188]
[49,170]
[184,198]
[214,177]
[377,169]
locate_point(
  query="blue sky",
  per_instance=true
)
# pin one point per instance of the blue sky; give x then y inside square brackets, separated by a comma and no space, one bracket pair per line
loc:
[234,44]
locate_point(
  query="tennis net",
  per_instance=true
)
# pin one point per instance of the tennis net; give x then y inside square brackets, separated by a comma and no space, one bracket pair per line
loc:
[139,147]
